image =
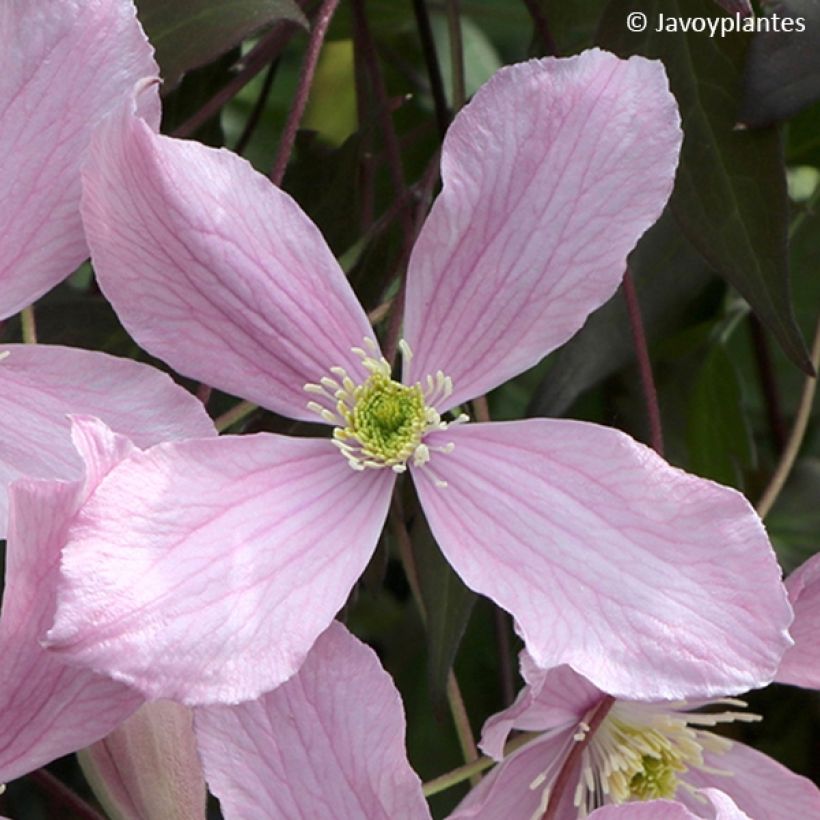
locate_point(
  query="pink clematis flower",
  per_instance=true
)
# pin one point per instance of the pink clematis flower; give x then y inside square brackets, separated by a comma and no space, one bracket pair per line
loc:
[642,750]
[63,66]
[204,570]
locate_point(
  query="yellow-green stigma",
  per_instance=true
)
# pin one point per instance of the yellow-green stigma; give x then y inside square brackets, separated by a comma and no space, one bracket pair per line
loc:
[381,422]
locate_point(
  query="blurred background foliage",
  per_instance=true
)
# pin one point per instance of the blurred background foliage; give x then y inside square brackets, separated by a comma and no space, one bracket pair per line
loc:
[728,280]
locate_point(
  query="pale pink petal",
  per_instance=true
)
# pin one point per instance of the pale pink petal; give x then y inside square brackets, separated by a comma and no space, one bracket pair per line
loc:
[515,788]
[148,768]
[650,582]
[203,571]
[63,66]
[551,175]
[741,7]
[801,663]
[213,269]
[329,743]
[719,807]
[760,786]
[559,697]
[48,709]
[41,384]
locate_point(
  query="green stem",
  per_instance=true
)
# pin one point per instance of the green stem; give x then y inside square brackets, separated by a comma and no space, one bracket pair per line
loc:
[235,414]
[456,53]
[29,325]
[789,456]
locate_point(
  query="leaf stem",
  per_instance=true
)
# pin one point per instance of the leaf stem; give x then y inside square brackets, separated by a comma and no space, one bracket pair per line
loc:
[258,108]
[300,99]
[798,431]
[650,393]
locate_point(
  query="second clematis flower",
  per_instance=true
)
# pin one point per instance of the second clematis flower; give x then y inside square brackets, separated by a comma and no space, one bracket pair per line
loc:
[205,570]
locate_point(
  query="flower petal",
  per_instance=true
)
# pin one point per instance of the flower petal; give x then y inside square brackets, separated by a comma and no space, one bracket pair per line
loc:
[203,571]
[760,786]
[516,788]
[551,175]
[213,269]
[801,663]
[41,384]
[63,66]
[48,709]
[329,743]
[551,699]
[148,768]
[722,808]
[652,583]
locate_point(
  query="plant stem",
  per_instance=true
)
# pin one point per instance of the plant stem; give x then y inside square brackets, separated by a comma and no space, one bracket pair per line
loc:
[266,50]
[539,20]
[801,421]
[29,325]
[644,364]
[235,414]
[61,794]
[462,773]
[456,53]
[455,700]
[258,108]
[317,38]
[428,47]
[768,383]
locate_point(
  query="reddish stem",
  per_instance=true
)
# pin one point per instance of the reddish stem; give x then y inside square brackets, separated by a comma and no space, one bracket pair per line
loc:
[539,20]
[644,365]
[317,39]
[64,796]
[265,51]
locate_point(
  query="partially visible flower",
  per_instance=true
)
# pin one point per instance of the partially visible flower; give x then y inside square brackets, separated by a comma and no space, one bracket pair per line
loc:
[148,768]
[204,571]
[326,745]
[49,709]
[637,751]
[63,66]
[801,663]
[723,808]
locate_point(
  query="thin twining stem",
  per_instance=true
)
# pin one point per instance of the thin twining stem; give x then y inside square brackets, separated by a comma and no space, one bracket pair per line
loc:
[798,431]
[650,393]
[539,20]
[462,773]
[317,39]
[428,47]
[454,698]
[63,795]
[456,54]
[29,325]
[266,50]
[234,415]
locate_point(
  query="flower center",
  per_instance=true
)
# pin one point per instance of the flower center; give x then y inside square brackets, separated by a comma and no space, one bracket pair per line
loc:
[642,752]
[381,422]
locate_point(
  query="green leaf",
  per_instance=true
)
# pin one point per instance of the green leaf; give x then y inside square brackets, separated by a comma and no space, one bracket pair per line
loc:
[730,195]
[783,67]
[190,33]
[449,605]
[803,143]
[718,433]
[669,274]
